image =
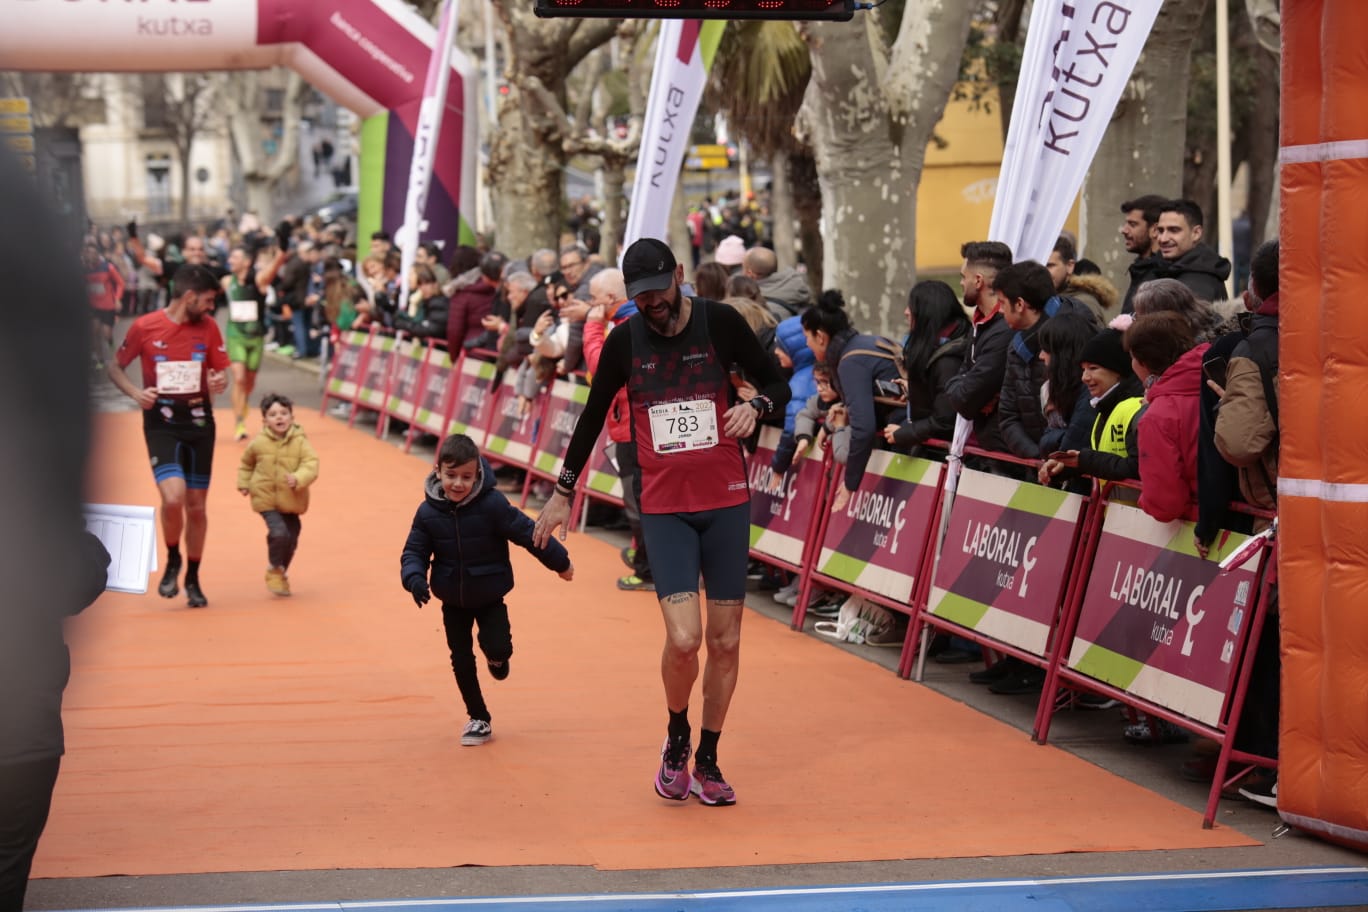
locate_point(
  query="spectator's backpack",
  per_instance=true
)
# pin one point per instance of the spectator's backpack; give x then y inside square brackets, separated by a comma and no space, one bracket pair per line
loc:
[884,348]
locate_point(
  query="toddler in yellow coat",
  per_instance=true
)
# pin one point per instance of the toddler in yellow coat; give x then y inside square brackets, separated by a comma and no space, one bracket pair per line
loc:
[276,472]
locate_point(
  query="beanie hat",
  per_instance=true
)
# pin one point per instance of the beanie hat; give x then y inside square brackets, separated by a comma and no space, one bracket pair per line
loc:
[1105,350]
[731,251]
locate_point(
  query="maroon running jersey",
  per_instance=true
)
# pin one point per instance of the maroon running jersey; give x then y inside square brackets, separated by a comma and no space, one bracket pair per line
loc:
[678,396]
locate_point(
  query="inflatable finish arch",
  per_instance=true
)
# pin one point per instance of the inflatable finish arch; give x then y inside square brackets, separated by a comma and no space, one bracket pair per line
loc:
[368,55]
[1323,483]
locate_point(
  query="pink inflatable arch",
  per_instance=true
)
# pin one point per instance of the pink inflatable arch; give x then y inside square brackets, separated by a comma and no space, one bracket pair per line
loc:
[368,55]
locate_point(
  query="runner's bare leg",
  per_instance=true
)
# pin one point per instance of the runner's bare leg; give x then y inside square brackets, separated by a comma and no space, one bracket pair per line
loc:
[683,638]
[173,509]
[724,659]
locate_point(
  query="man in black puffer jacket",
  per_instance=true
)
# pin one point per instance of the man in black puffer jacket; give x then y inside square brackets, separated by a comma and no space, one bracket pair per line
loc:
[461,531]
[1184,257]
[974,391]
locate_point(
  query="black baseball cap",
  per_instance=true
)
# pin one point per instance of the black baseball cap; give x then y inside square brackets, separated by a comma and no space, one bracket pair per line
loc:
[648,265]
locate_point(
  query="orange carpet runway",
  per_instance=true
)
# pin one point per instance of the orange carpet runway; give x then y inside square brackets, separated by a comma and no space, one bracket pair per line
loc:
[321,731]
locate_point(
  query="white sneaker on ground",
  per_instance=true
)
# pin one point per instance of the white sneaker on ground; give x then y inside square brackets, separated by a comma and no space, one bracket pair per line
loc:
[475,733]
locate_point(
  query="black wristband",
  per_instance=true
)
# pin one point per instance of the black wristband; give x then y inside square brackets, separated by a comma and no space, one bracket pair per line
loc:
[566,483]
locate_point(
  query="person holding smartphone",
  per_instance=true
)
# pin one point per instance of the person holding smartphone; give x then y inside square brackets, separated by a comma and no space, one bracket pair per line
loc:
[1117,400]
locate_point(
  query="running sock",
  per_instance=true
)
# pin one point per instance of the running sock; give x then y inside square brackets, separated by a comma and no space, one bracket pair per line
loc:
[679,724]
[192,572]
[173,554]
[707,747]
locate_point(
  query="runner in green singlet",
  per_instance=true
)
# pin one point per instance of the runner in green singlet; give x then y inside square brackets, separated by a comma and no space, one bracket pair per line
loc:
[247,287]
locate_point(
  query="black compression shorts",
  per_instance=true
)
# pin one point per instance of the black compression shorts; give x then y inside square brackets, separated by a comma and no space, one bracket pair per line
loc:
[714,543]
[186,453]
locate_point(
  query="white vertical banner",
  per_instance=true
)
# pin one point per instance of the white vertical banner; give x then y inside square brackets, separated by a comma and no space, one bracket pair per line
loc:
[1078,58]
[425,144]
[677,81]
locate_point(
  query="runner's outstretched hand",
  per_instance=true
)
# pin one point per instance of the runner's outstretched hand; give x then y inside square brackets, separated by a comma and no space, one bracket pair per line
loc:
[555,514]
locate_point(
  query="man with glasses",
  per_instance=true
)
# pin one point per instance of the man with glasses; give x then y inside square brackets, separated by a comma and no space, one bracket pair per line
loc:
[184,365]
[576,270]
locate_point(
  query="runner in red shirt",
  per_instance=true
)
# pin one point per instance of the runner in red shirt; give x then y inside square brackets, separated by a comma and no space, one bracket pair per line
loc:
[184,365]
[675,358]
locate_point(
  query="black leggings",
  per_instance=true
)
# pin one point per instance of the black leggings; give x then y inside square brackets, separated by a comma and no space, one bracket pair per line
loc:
[496,642]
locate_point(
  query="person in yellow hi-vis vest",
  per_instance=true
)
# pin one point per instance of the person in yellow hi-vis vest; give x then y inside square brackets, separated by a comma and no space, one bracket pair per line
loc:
[1118,399]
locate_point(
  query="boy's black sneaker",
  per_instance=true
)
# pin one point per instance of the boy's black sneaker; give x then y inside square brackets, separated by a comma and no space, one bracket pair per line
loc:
[168,586]
[194,596]
[498,670]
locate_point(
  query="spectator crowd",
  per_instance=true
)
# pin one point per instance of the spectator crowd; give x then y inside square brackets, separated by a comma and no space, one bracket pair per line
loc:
[1164,386]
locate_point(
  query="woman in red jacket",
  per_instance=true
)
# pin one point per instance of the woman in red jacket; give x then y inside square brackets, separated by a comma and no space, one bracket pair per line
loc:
[1165,359]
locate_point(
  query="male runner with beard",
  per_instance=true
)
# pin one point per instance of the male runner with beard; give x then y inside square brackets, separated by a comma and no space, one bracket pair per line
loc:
[675,358]
[184,366]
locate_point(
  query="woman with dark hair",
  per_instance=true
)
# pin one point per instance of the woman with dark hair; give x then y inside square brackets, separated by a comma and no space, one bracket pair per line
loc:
[1169,366]
[710,281]
[1066,401]
[938,331]
[858,362]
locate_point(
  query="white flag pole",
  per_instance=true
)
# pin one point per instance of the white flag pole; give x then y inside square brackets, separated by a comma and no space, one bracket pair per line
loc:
[425,145]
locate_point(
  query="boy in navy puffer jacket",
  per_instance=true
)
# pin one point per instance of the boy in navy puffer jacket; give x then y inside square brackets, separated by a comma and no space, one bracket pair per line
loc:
[462,530]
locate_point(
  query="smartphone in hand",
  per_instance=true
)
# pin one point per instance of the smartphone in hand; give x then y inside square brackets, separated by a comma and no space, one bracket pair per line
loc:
[1214,369]
[889,388]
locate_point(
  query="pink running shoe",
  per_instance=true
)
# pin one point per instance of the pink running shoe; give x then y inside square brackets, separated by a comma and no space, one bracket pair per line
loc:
[707,783]
[672,780]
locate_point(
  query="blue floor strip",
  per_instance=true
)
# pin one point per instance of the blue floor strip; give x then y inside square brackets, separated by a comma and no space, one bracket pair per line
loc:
[1193,891]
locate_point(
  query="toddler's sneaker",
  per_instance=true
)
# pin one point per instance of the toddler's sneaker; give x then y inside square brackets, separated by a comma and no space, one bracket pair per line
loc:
[475,733]
[240,431]
[498,670]
[672,779]
[276,581]
[707,783]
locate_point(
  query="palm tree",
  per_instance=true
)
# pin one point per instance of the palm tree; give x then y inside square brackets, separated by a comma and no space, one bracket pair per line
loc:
[758,80]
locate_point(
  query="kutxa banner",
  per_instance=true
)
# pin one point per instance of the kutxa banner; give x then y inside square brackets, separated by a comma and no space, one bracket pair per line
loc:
[375,375]
[1160,622]
[567,401]
[474,399]
[515,425]
[1006,558]
[781,506]
[345,378]
[411,358]
[877,542]
[601,477]
[436,394]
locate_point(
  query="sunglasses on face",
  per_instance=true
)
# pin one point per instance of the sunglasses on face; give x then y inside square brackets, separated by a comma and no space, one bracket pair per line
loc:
[562,295]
